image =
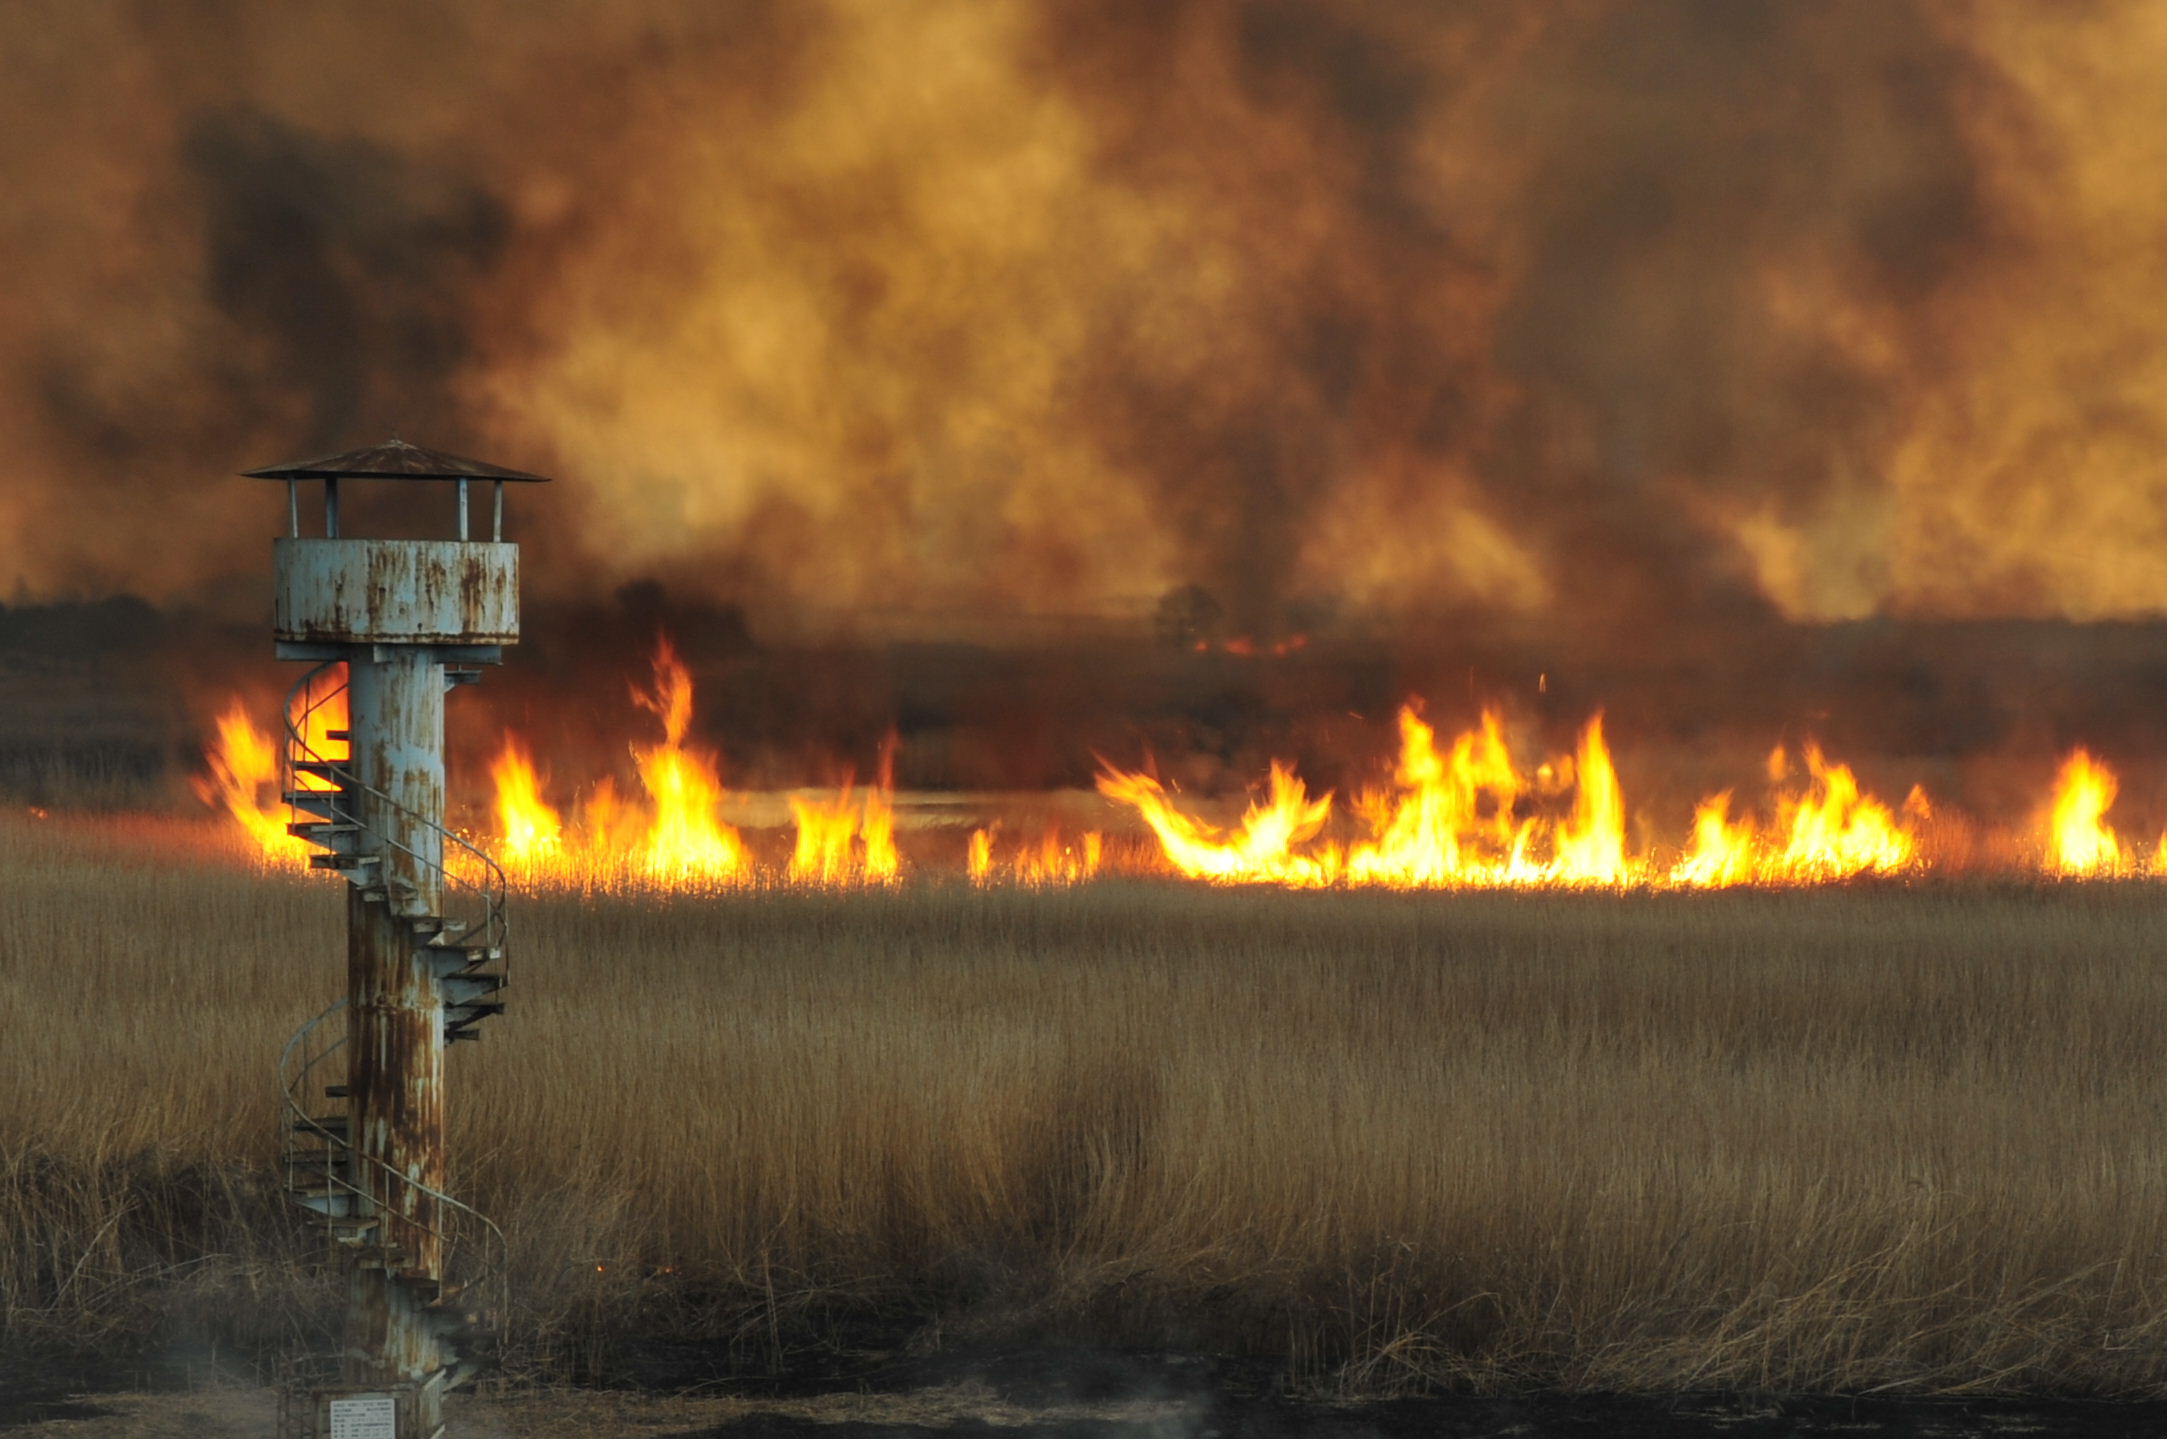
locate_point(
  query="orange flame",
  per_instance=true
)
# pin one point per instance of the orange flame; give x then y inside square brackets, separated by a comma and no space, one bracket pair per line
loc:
[1261,849]
[2080,840]
[1449,819]
[1457,814]
[531,832]
[1591,843]
[686,838]
[844,840]
[1721,853]
[1052,861]
[322,722]
[243,777]
[245,769]
[1832,830]
[1829,829]
[674,834]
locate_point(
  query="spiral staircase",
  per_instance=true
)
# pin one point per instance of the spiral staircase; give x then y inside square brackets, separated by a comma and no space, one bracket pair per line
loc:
[347,1193]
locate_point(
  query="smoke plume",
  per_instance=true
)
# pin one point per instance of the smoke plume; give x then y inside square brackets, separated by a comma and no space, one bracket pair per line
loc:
[1610,317]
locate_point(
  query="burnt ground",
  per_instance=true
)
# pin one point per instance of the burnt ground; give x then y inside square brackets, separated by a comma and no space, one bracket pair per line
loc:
[1104,1394]
[1061,1394]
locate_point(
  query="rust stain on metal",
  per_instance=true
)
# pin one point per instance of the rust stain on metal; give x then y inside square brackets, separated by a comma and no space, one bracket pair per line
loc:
[397,613]
[397,591]
[396,1076]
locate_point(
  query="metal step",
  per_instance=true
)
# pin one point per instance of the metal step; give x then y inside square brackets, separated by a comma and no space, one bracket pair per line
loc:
[331,769]
[388,1257]
[328,1202]
[312,1171]
[473,1328]
[339,736]
[436,924]
[329,803]
[335,835]
[338,1128]
[469,985]
[352,1231]
[355,865]
[459,1020]
[434,1292]
[454,959]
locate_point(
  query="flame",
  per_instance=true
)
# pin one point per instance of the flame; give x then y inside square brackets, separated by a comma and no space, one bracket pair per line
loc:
[1721,853]
[1052,861]
[1591,843]
[672,832]
[1827,829]
[1831,830]
[2080,840]
[686,838]
[1262,848]
[243,778]
[322,724]
[1468,816]
[1459,814]
[876,828]
[1449,818]
[529,830]
[844,840]
[246,773]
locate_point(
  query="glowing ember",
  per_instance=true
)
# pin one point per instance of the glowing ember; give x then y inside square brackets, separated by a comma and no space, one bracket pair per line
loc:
[2080,842]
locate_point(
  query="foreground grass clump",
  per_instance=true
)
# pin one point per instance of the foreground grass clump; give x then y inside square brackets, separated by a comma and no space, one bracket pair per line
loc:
[1820,1140]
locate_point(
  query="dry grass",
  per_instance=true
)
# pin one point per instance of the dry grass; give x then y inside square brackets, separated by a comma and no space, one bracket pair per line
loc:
[1841,1140]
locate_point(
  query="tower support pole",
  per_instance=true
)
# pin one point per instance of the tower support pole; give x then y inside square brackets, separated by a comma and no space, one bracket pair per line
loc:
[396,1015]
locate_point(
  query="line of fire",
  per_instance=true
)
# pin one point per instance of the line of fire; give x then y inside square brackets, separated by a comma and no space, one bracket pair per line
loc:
[1486,806]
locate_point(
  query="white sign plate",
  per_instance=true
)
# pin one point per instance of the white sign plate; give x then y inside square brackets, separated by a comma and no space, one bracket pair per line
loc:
[365,1416]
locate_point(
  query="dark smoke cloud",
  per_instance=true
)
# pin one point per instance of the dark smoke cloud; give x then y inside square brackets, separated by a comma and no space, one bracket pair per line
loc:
[345,263]
[1618,317]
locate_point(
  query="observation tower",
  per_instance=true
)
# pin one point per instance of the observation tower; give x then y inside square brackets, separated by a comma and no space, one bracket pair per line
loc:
[388,627]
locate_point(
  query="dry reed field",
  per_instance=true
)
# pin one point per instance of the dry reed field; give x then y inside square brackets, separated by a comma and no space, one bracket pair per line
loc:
[1842,1139]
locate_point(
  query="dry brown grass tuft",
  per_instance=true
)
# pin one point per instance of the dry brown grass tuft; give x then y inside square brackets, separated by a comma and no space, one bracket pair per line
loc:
[1884,1137]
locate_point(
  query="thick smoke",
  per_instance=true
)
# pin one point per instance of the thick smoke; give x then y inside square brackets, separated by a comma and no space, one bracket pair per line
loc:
[1617,318]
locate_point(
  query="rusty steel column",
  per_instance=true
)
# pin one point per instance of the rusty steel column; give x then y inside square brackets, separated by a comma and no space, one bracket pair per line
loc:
[395,1011]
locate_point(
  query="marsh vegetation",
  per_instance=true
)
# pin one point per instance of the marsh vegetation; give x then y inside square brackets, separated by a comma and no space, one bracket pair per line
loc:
[1839,1139]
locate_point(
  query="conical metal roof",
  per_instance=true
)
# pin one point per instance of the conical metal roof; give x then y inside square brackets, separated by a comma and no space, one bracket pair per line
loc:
[395,459]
